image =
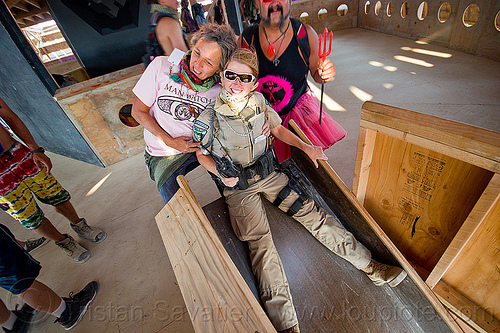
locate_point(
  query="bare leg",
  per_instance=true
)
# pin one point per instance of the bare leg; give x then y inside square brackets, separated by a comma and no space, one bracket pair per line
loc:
[67,210]
[41,297]
[48,230]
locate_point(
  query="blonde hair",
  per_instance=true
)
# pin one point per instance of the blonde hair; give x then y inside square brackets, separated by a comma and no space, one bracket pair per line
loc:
[246,57]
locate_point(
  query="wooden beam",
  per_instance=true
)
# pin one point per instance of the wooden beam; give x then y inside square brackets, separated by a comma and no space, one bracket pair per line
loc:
[472,144]
[34,3]
[468,311]
[22,6]
[216,296]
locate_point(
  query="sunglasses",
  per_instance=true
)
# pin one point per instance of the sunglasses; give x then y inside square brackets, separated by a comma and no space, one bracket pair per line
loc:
[244,78]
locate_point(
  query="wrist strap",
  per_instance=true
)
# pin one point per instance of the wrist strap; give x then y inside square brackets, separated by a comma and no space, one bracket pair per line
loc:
[38,150]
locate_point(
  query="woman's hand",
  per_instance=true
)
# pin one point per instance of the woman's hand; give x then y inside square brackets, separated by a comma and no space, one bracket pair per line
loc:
[183,144]
[229,182]
[315,154]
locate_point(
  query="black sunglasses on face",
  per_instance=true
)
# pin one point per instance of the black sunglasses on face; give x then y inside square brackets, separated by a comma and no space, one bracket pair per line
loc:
[244,78]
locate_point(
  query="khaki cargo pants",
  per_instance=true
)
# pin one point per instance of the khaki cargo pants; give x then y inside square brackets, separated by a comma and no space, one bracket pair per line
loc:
[250,224]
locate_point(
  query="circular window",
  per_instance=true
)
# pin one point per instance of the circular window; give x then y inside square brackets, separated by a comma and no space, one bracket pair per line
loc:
[405,7]
[378,6]
[497,21]
[125,115]
[390,8]
[367,7]
[471,15]
[342,10]
[444,12]
[303,17]
[322,13]
[422,10]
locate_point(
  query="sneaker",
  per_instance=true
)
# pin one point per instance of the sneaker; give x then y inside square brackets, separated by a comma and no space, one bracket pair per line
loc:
[23,321]
[74,250]
[77,305]
[85,231]
[381,274]
[293,329]
[31,245]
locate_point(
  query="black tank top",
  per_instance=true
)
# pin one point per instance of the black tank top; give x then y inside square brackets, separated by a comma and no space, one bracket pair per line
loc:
[282,85]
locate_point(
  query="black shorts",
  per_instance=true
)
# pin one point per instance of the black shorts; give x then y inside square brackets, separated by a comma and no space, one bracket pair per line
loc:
[18,269]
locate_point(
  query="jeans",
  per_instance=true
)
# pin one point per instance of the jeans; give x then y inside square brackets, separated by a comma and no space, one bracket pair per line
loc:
[168,189]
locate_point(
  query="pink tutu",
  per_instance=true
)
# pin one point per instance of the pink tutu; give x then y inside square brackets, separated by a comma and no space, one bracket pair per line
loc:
[306,115]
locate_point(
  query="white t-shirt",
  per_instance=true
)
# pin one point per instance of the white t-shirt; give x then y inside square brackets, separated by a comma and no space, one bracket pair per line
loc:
[173,105]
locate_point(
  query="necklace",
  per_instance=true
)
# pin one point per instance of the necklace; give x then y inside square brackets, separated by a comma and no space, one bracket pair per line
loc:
[271,49]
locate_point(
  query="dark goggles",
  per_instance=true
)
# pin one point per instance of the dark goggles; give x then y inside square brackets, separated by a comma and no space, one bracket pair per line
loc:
[244,78]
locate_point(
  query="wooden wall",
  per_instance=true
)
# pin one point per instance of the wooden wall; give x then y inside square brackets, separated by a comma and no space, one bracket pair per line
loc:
[481,39]
[93,107]
[332,20]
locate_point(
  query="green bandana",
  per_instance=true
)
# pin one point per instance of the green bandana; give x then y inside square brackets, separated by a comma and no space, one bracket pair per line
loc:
[189,79]
[165,9]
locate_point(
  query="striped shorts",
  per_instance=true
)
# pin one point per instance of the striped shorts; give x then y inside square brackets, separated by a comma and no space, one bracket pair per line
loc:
[21,180]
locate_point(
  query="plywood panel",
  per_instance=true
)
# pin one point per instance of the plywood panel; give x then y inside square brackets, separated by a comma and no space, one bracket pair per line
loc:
[419,197]
[216,296]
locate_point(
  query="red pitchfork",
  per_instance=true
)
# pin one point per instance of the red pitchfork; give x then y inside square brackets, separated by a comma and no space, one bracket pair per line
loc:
[322,55]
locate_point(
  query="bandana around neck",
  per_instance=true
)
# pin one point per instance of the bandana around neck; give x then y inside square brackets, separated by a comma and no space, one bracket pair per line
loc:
[188,78]
[236,104]
[165,9]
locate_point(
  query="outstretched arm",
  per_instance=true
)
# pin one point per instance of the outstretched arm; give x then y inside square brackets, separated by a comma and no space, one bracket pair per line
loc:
[314,153]
[20,129]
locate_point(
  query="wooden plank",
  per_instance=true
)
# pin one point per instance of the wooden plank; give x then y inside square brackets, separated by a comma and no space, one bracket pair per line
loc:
[351,207]
[475,272]
[102,80]
[475,219]
[216,296]
[475,140]
[468,311]
[364,154]
[463,155]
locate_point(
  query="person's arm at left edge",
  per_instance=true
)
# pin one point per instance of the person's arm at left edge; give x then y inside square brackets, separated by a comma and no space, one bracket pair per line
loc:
[314,153]
[319,68]
[20,129]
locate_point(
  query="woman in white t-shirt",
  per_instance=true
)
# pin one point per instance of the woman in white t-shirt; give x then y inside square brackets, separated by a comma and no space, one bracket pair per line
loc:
[170,95]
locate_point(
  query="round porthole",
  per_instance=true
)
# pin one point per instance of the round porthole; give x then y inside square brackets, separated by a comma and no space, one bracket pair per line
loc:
[342,10]
[378,6]
[390,8]
[444,12]
[304,17]
[422,10]
[125,115]
[367,7]
[471,15]
[405,7]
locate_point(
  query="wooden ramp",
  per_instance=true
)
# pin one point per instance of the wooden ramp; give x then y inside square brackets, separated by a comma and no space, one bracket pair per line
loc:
[330,295]
[213,270]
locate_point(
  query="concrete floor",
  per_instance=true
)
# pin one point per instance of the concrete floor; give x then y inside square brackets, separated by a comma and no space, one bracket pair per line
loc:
[139,292]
